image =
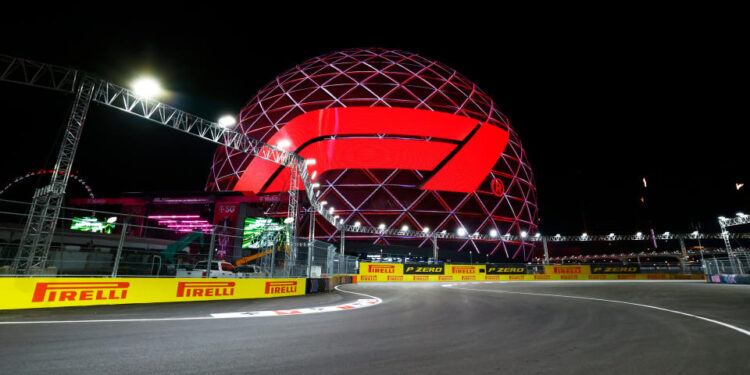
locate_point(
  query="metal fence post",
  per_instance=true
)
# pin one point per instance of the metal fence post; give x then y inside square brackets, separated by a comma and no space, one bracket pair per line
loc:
[119,247]
[210,253]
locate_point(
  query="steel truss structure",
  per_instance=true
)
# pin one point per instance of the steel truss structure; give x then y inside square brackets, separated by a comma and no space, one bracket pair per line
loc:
[45,209]
[725,223]
[47,201]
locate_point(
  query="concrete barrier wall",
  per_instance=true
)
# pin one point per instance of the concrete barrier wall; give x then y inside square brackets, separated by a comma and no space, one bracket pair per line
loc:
[26,293]
[379,272]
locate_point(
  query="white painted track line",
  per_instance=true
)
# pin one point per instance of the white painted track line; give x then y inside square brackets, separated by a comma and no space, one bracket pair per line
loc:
[714,321]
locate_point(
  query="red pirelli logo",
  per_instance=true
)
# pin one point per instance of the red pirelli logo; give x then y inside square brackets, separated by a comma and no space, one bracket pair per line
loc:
[281,287]
[59,292]
[379,268]
[568,270]
[368,278]
[205,288]
[464,269]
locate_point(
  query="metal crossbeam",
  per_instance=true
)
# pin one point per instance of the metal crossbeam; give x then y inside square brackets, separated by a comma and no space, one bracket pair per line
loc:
[31,73]
[540,238]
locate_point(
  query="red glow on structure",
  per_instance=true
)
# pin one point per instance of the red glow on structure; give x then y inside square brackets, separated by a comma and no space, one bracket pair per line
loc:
[381,153]
[365,153]
[377,96]
[469,167]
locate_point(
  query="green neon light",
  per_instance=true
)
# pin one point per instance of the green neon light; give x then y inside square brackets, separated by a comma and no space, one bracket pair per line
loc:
[92,224]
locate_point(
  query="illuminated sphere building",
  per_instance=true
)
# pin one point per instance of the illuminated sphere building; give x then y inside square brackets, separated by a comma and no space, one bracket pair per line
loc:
[398,139]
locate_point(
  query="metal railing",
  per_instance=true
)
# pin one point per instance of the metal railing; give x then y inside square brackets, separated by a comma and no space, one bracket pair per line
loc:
[141,246]
[736,264]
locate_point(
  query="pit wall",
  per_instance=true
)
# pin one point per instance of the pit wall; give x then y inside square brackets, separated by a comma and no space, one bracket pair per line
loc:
[379,272]
[29,293]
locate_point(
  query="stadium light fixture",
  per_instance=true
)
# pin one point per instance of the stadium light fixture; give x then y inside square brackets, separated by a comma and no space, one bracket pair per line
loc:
[146,87]
[425,230]
[288,220]
[493,233]
[537,235]
[523,234]
[695,233]
[381,226]
[404,228]
[315,185]
[639,234]
[461,231]
[323,203]
[666,233]
[584,235]
[330,210]
[227,121]
[357,224]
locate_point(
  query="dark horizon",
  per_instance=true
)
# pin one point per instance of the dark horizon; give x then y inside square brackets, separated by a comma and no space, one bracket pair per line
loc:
[596,112]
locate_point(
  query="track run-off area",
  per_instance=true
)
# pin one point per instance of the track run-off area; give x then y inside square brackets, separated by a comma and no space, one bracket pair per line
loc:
[488,327]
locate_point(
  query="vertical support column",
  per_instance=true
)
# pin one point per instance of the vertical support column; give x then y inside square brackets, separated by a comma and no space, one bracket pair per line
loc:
[434,249]
[210,253]
[546,250]
[291,217]
[311,241]
[41,222]
[684,257]
[119,247]
[343,238]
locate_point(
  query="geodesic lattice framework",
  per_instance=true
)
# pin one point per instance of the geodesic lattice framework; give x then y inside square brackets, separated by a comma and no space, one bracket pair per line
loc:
[505,201]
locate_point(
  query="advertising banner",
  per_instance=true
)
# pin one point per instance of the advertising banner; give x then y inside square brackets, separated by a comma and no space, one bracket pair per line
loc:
[505,269]
[567,270]
[423,269]
[614,269]
[28,293]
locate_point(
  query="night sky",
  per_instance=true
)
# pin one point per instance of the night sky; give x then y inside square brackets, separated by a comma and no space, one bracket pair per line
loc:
[599,102]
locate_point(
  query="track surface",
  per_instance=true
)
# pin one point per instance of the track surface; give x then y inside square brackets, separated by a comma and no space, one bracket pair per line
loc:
[419,328]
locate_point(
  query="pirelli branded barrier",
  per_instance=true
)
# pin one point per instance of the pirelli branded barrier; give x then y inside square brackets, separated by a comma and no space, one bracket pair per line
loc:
[26,293]
[371,272]
[419,272]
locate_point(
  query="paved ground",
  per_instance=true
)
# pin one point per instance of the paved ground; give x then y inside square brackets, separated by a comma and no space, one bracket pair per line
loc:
[419,328]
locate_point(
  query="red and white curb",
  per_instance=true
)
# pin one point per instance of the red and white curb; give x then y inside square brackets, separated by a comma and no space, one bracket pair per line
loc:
[358,304]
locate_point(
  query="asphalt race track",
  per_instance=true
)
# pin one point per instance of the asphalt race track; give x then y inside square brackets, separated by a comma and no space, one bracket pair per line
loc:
[537,328]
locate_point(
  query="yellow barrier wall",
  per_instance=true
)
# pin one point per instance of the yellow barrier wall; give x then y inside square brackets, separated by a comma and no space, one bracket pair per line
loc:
[27,293]
[371,272]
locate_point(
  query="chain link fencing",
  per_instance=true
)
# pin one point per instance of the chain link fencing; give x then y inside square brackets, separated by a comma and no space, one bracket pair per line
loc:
[98,243]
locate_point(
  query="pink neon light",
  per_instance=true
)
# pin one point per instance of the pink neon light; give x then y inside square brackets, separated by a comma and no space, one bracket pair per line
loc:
[156,217]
